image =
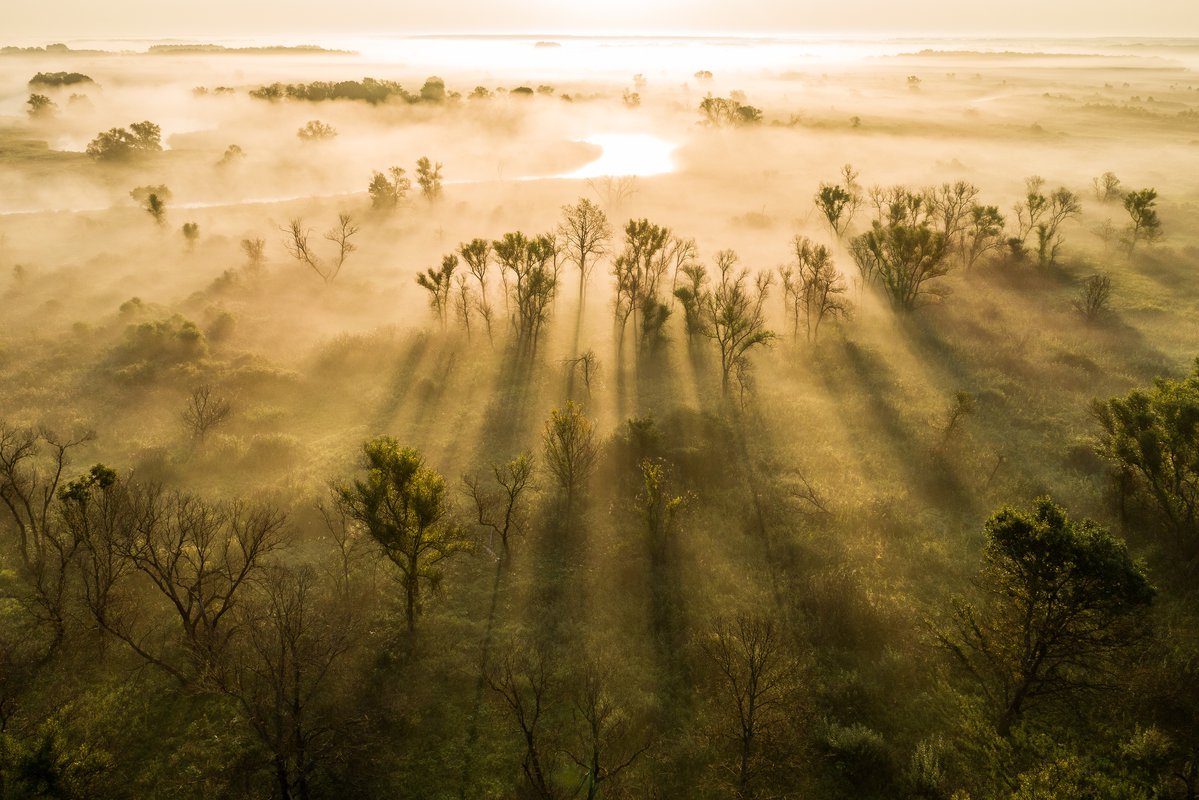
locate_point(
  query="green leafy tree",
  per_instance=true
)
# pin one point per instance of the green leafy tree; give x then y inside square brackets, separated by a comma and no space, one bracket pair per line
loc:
[477,255]
[433,90]
[191,233]
[438,283]
[1144,223]
[735,314]
[1152,435]
[531,281]
[388,190]
[41,106]
[1058,602]
[983,233]
[428,177]
[154,200]
[404,506]
[903,256]
[638,272]
[316,131]
[120,144]
[570,448]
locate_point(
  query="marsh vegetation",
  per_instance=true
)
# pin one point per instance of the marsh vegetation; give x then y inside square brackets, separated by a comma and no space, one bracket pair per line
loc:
[376,430]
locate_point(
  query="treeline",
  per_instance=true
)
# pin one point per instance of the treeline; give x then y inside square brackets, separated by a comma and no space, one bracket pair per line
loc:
[369,90]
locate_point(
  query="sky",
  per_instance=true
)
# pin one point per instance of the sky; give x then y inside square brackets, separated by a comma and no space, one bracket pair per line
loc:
[29,23]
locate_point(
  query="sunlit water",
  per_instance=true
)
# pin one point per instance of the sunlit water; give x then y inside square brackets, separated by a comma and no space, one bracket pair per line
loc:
[626,154]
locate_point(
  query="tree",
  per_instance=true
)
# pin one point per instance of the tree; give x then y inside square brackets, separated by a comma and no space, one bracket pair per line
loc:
[298,247]
[1058,602]
[154,200]
[254,250]
[232,155]
[839,203]
[1144,223]
[191,233]
[205,410]
[502,510]
[903,255]
[202,558]
[735,314]
[1094,297]
[728,111]
[524,679]
[41,106]
[33,464]
[428,177]
[585,232]
[756,679]
[638,272]
[533,283]
[1107,187]
[608,742]
[982,234]
[403,504]
[316,131]
[1044,215]
[694,296]
[1152,435]
[282,670]
[477,254]
[812,287]
[388,193]
[433,90]
[570,448]
[119,144]
[438,283]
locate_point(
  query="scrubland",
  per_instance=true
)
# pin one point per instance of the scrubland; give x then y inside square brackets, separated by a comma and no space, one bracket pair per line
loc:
[756,587]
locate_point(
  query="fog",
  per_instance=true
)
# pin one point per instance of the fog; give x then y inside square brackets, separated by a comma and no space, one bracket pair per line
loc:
[825,476]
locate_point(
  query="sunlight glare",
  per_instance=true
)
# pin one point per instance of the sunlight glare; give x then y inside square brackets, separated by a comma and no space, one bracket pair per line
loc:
[628,154]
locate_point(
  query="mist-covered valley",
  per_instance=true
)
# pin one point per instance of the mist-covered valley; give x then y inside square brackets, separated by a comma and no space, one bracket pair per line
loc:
[558,417]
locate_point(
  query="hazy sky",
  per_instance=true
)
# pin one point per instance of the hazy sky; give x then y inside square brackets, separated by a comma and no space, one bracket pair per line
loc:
[66,19]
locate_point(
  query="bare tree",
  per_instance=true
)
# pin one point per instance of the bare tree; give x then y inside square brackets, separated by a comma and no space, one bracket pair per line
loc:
[586,234]
[502,510]
[608,741]
[1094,297]
[283,671]
[32,467]
[523,679]
[812,287]
[205,410]
[298,246]
[587,364]
[757,677]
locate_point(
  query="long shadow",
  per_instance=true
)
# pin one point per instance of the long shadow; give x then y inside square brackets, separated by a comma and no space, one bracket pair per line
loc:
[401,383]
[868,379]
[508,421]
[472,733]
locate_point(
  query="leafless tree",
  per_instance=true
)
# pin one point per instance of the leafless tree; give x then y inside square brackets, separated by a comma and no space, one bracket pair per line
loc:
[298,246]
[586,235]
[757,677]
[502,510]
[205,410]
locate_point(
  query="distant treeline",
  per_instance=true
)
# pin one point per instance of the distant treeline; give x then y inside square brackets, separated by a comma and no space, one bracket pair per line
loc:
[369,89]
[185,49]
[60,49]
[59,79]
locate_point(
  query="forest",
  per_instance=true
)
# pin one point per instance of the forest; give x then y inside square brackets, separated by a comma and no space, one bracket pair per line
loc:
[418,429]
